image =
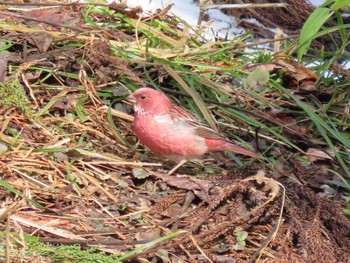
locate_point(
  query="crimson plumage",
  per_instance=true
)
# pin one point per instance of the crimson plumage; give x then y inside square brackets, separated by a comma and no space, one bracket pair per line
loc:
[172,132]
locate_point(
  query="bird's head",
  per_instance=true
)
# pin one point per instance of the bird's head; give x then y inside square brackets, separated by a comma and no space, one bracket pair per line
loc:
[147,101]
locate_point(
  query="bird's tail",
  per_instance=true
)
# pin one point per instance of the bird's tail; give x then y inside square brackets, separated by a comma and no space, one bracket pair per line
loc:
[215,145]
[237,149]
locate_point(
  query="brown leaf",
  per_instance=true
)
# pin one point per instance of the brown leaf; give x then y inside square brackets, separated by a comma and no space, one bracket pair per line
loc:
[172,211]
[314,154]
[3,67]
[32,76]
[53,15]
[286,121]
[296,76]
[149,235]
[42,41]
[270,184]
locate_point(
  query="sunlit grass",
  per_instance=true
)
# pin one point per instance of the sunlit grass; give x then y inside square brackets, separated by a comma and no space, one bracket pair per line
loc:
[80,139]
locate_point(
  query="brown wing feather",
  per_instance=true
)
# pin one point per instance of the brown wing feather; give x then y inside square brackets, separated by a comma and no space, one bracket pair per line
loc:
[204,131]
[179,114]
[201,129]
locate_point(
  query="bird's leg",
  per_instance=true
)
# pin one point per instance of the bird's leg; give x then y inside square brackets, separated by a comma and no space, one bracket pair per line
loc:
[177,167]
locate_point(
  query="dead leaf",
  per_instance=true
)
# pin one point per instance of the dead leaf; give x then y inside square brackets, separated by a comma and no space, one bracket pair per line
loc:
[172,211]
[313,154]
[149,235]
[45,226]
[3,68]
[290,128]
[199,187]
[270,184]
[54,15]
[42,40]
[139,173]
[295,75]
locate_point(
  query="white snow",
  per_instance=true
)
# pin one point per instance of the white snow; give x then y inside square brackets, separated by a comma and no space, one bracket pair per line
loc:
[223,26]
[219,24]
[316,2]
[185,9]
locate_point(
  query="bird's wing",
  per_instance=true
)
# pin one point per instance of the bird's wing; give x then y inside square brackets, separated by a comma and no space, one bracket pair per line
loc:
[207,132]
[180,115]
[185,119]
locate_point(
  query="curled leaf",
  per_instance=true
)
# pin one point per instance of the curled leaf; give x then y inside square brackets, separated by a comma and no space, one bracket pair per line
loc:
[140,173]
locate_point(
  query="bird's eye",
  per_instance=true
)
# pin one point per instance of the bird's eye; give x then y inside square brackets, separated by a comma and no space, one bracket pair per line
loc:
[143,97]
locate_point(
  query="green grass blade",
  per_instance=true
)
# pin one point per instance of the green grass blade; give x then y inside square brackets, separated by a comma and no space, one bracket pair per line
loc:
[339,4]
[115,129]
[312,25]
[201,105]
[16,192]
[324,129]
[148,245]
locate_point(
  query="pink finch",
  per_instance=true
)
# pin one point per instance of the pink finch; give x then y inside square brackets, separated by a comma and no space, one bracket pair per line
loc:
[172,132]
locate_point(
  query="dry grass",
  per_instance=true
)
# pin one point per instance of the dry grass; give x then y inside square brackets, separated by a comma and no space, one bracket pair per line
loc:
[72,172]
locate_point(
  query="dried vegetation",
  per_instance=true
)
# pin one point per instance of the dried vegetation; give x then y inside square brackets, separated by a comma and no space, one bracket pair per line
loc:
[73,174]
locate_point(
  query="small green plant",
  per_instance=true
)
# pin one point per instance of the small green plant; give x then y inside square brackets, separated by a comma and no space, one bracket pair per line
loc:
[12,95]
[241,237]
[313,25]
[62,253]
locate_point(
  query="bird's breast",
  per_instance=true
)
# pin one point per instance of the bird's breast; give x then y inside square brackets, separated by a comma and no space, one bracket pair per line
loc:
[164,136]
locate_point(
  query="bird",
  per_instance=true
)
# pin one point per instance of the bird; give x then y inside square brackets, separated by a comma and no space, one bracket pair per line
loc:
[172,132]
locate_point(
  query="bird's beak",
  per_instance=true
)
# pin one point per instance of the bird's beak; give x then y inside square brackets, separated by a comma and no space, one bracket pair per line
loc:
[131,98]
